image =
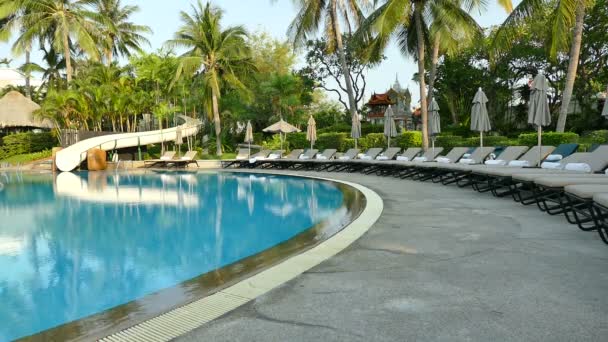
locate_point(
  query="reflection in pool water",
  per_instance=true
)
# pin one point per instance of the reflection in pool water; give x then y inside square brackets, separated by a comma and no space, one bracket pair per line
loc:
[77,244]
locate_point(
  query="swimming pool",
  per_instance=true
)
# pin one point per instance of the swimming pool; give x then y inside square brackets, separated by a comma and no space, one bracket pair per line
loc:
[84,253]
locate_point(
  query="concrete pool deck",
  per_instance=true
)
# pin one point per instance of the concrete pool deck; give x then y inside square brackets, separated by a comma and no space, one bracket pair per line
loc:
[441,263]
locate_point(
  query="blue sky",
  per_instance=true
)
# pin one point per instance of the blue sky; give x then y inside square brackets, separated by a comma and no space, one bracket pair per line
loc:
[274,17]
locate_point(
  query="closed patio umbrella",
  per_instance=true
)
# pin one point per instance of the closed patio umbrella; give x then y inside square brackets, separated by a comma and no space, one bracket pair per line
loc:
[249,136]
[311,131]
[538,111]
[434,121]
[479,115]
[281,127]
[355,131]
[390,129]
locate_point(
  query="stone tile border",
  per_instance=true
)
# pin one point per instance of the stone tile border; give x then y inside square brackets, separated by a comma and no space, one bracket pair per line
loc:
[191,316]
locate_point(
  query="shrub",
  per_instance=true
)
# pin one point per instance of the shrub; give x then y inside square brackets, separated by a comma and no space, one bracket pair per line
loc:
[297,140]
[549,138]
[596,137]
[331,140]
[449,141]
[369,128]
[490,140]
[22,143]
[337,128]
[409,139]
[376,140]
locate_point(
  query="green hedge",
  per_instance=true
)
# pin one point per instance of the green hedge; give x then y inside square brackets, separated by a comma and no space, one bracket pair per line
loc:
[596,137]
[490,140]
[332,140]
[449,141]
[549,138]
[22,143]
[337,128]
[409,139]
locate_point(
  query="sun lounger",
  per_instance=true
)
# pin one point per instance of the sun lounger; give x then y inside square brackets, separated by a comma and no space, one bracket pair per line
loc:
[350,164]
[167,156]
[371,166]
[330,165]
[600,215]
[391,166]
[404,169]
[281,163]
[183,161]
[457,172]
[425,171]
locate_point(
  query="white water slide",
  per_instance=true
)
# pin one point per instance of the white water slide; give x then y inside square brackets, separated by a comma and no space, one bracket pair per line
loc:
[71,157]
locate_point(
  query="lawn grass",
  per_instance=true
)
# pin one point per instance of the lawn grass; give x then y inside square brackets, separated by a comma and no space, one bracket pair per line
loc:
[28,157]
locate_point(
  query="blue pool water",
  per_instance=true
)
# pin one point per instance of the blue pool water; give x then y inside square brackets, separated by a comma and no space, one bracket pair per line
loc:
[79,244]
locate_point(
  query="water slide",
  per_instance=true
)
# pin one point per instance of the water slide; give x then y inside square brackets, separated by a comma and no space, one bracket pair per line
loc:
[70,158]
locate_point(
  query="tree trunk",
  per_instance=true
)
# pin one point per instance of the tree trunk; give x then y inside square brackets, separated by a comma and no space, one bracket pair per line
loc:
[109,57]
[575,49]
[216,122]
[423,102]
[67,56]
[28,87]
[434,61]
[341,54]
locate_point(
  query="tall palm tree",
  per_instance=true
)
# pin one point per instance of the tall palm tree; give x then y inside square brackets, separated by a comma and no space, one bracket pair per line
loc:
[308,21]
[565,32]
[409,21]
[120,36]
[51,72]
[67,22]
[220,56]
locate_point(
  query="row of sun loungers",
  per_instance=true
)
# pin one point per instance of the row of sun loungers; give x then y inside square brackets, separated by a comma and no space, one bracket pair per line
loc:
[563,183]
[168,159]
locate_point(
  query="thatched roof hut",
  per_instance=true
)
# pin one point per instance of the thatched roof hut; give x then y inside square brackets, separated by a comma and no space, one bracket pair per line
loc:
[17,110]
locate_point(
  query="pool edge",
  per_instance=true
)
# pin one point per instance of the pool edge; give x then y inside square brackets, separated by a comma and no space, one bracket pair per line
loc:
[194,315]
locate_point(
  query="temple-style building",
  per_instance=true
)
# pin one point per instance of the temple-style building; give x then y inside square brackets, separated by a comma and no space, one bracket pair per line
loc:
[400,100]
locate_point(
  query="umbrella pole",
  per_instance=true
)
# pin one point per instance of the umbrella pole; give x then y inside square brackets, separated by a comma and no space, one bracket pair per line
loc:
[355,143]
[481,138]
[433,142]
[281,138]
[250,149]
[540,152]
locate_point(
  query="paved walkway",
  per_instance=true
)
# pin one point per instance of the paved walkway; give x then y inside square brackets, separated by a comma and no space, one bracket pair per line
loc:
[441,264]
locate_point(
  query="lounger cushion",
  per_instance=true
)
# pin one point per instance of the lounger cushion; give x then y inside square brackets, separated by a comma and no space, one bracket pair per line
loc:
[496,162]
[560,182]
[552,165]
[344,158]
[420,159]
[381,158]
[519,163]
[166,158]
[466,161]
[402,158]
[601,199]
[586,191]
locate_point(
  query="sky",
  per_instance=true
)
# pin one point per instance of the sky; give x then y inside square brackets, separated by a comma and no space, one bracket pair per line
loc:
[274,17]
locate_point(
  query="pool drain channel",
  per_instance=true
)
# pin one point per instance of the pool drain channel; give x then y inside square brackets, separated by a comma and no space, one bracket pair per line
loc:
[192,316]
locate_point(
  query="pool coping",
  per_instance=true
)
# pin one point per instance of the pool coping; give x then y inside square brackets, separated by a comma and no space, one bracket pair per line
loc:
[194,315]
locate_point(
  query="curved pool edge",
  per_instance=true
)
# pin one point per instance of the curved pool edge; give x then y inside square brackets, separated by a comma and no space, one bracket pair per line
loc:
[195,314]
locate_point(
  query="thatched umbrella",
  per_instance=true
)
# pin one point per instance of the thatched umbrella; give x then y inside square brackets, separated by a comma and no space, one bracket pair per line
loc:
[281,127]
[17,110]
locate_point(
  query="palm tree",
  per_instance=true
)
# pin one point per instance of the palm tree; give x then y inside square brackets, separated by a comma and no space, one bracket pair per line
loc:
[51,73]
[68,22]
[220,56]
[308,21]
[408,21]
[120,36]
[567,15]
